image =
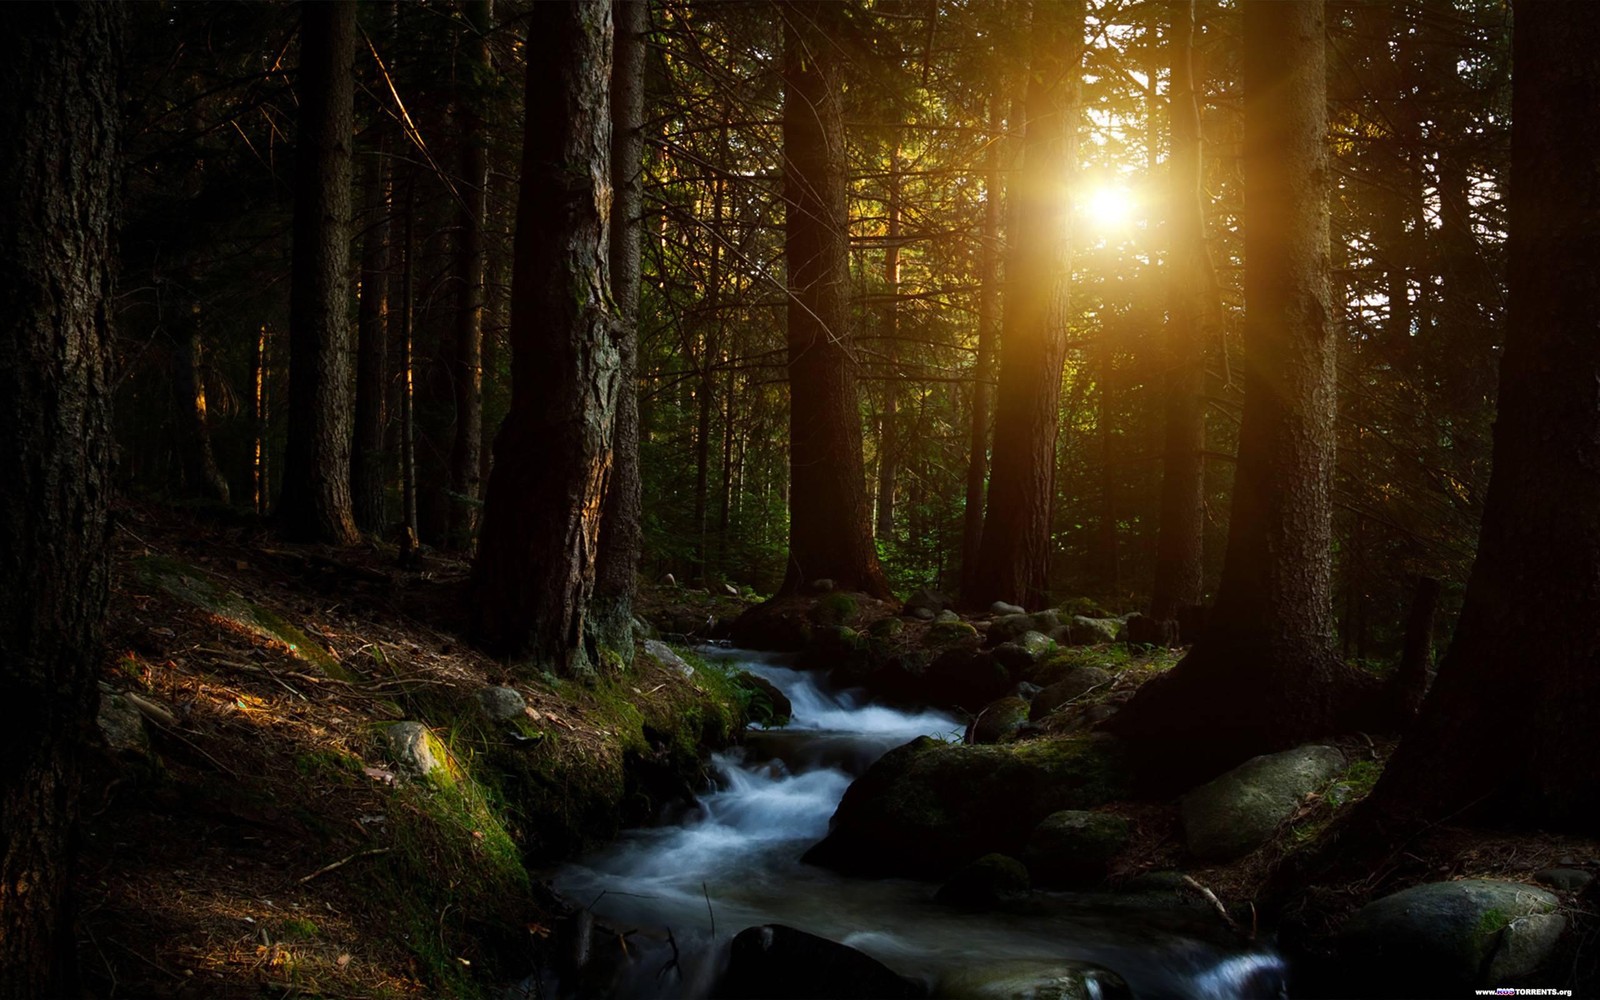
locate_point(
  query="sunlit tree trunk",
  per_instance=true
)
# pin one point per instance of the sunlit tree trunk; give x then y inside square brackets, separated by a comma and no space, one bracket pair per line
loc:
[58,103]
[535,568]
[829,533]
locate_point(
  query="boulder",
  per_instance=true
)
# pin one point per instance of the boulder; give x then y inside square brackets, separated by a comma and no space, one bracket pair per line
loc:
[932,600]
[947,616]
[927,807]
[1076,683]
[667,657]
[1008,627]
[1074,847]
[766,705]
[1033,979]
[781,623]
[1450,937]
[886,628]
[835,608]
[121,724]
[1083,631]
[987,882]
[963,678]
[412,747]
[774,961]
[1144,630]
[1020,654]
[501,703]
[1002,608]
[1236,813]
[1565,879]
[999,721]
[945,633]
[922,614]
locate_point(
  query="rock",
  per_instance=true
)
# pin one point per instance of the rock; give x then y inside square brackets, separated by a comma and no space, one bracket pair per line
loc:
[1075,848]
[886,628]
[412,747]
[730,590]
[774,961]
[1026,691]
[121,724]
[1002,608]
[946,633]
[1076,683]
[964,678]
[987,882]
[822,586]
[1142,630]
[782,623]
[1236,813]
[767,705]
[835,608]
[667,657]
[1450,937]
[1009,627]
[1045,621]
[933,600]
[927,807]
[1565,879]
[1033,979]
[1019,655]
[1093,631]
[999,721]
[501,703]
[922,614]
[947,616]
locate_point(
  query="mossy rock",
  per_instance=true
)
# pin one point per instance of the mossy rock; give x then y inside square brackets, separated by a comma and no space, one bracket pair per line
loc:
[948,633]
[1075,847]
[764,704]
[928,807]
[1075,684]
[835,608]
[999,721]
[886,628]
[989,881]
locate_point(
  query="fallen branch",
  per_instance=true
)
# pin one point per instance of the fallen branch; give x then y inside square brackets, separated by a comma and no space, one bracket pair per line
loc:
[325,869]
[1216,904]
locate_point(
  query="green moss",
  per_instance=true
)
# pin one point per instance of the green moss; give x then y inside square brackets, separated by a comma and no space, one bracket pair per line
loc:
[834,608]
[948,633]
[329,766]
[298,927]
[886,628]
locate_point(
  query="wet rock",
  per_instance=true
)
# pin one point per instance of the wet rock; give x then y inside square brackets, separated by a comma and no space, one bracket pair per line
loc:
[774,961]
[1236,813]
[1450,937]
[1002,608]
[767,705]
[1144,630]
[999,721]
[987,882]
[413,747]
[1074,685]
[121,724]
[1031,979]
[1074,847]
[1565,879]
[1092,631]
[927,807]
[501,703]
[667,657]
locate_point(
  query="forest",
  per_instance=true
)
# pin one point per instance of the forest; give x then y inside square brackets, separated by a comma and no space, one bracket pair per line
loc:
[800,498]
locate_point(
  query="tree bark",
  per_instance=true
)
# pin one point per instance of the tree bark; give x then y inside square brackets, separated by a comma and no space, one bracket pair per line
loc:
[201,477]
[888,429]
[983,369]
[621,534]
[829,530]
[1522,659]
[58,99]
[367,460]
[535,568]
[1014,556]
[315,503]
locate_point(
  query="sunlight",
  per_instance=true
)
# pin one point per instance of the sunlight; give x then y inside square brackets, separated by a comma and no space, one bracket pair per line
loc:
[1109,207]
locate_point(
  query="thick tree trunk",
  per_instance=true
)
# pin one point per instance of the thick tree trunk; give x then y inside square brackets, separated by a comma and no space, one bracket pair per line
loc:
[315,503]
[1524,653]
[1265,667]
[58,99]
[888,421]
[621,533]
[829,532]
[368,463]
[983,369]
[1014,557]
[1180,562]
[535,568]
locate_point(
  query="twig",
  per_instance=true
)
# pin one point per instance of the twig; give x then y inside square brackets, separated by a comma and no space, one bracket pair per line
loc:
[1216,904]
[325,869]
[704,891]
[674,963]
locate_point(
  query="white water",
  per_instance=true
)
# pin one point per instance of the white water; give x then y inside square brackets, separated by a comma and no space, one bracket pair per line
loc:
[734,864]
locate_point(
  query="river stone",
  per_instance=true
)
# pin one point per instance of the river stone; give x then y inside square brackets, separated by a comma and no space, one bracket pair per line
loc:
[501,703]
[1002,608]
[928,807]
[1236,813]
[774,961]
[1075,847]
[987,882]
[121,724]
[999,721]
[1565,879]
[1075,683]
[1093,631]
[1450,936]
[411,746]
[667,657]
[1028,979]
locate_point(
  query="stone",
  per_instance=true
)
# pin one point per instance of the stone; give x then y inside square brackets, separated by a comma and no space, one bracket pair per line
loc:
[886,628]
[1093,631]
[1020,654]
[947,616]
[1449,937]
[730,590]
[774,961]
[121,724]
[501,703]
[1075,684]
[999,721]
[1565,879]
[411,746]
[964,678]
[1074,847]
[1026,691]
[766,704]
[987,882]
[1033,979]
[822,586]
[922,614]
[1143,630]
[1236,813]
[1009,627]
[667,657]
[1002,608]
[947,632]
[933,600]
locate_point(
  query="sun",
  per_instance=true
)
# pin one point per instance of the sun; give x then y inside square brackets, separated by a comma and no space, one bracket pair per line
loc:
[1109,207]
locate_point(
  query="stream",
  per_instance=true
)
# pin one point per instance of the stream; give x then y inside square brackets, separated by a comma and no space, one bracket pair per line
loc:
[733,863]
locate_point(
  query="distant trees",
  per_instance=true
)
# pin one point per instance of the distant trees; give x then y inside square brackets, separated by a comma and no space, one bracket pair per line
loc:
[58,102]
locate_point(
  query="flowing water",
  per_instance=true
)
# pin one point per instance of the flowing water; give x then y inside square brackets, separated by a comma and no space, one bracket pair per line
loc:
[684,889]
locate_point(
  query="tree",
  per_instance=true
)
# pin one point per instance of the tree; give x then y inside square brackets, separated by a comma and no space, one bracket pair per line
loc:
[1014,556]
[829,533]
[58,92]
[611,609]
[315,503]
[1524,653]
[367,458]
[1265,670]
[535,568]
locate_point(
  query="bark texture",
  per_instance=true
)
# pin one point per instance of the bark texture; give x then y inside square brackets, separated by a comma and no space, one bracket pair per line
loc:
[315,503]
[1508,731]
[58,77]
[829,528]
[983,368]
[621,533]
[535,568]
[1014,556]
[367,459]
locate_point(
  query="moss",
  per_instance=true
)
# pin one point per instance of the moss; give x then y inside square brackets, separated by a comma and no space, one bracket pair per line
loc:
[298,927]
[835,608]
[948,633]
[886,628]
[329,766]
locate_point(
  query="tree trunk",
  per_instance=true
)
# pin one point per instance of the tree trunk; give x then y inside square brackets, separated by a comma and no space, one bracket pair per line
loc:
[1105,561]
[410,531]
[1014,556]
[367,460]
[261,463]
[888,431]
[201,477]
[58,96]
[315,503]
[1180,554]
[621,534]
[829,533]
[1524,651]
[467,370]
[1265,667]
[535,568]
[983,369]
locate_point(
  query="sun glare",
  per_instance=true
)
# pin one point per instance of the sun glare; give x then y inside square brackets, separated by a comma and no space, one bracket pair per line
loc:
[1109,207]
